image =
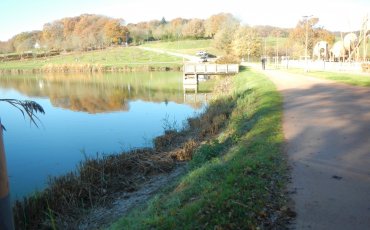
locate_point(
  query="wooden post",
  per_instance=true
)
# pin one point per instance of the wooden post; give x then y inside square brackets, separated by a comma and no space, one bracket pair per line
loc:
[6,216]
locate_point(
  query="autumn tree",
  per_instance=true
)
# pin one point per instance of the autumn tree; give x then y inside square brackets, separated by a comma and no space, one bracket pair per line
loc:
[25,41]
[246,42]
[194,29]
[176,26]
[215,23]
[115,31]
[52,34]
[297,37]
[138,32]
[322,34]
[224,37]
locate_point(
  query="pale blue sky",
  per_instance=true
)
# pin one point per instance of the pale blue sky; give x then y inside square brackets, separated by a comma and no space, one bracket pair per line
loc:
[25,15]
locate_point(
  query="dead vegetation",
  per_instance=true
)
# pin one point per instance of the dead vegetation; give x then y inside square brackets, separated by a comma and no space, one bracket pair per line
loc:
[97,181]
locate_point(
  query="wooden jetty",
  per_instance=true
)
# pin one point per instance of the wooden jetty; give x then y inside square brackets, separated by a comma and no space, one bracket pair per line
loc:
[193,71]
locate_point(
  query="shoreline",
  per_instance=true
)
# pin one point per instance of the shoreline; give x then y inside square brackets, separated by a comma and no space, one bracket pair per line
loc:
[90,69]
[98,182]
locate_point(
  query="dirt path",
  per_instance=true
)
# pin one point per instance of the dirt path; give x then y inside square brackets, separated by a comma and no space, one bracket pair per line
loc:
[327,130]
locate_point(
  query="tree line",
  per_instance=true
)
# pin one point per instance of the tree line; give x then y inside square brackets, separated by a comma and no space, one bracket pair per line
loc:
[83,32]
[89,31]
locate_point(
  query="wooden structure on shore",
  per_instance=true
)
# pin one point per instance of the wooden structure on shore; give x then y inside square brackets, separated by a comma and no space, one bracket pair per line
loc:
[197,98]
[193,71]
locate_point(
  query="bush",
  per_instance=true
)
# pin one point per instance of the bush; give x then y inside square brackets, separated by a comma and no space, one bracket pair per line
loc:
[228,59]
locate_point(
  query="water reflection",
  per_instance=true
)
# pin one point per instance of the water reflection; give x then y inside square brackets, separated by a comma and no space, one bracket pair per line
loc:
[87,114]
[100,93]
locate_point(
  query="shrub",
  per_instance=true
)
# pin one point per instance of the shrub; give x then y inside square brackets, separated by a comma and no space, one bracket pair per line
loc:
[228,59]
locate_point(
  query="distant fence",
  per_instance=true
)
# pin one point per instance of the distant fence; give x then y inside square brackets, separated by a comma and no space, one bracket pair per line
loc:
[29,55]
[324,65]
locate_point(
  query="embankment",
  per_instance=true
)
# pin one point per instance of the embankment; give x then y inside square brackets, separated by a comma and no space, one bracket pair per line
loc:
[235,180]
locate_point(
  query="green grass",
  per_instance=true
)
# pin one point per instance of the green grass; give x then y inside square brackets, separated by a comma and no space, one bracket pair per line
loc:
[113,57]
[234,181]
[185,46]
[347,78]
[271,42]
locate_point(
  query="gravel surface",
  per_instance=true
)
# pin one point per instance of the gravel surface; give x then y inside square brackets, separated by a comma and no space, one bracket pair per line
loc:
[327,131]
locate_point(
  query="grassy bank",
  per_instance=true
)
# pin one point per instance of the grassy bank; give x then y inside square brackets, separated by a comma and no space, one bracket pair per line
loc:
[185,46]
[347,78]
[235,180]
[108,60]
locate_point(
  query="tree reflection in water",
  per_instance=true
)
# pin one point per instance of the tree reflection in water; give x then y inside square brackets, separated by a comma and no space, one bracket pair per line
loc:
[99,93]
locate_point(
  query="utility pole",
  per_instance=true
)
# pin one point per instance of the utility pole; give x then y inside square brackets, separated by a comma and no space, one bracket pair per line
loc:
[6,216]
[306,48]
[286,56]
[365,30]
[276,52]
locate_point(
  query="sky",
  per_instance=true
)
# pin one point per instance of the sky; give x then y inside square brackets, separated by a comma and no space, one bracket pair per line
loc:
[336,15]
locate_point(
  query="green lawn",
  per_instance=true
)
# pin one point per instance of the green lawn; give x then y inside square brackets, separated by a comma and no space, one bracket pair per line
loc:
[235,181]
[185,46]
[347,78]
[271,41]
[112,57]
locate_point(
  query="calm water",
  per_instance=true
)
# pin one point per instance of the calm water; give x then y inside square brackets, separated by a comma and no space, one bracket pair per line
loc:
[85,115]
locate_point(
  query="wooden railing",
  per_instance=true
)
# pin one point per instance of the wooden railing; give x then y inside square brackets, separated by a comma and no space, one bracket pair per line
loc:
[211,69]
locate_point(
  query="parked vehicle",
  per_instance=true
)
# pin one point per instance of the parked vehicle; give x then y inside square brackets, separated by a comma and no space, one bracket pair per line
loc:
[204,58]
[201,53]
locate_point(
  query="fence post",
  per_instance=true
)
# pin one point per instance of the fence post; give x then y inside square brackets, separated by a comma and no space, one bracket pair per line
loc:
[6,216]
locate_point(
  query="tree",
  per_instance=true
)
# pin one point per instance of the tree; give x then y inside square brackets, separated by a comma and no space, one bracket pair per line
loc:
[176,26]
[215,23]
[322,34]
[25,40]
[246,42]
[115,31]
[52,34]
[224,37]
[163,21]
[194,29]
[297,37]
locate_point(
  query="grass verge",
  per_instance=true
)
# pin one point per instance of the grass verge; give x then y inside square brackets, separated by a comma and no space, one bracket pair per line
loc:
[235,180]
[347,78]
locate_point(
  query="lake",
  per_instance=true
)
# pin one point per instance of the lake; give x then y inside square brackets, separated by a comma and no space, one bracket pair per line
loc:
[87,116]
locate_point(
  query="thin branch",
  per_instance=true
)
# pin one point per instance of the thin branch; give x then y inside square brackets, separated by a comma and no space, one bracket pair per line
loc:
[26,107]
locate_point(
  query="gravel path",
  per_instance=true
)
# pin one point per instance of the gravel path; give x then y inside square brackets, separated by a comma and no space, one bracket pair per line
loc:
[327,131]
